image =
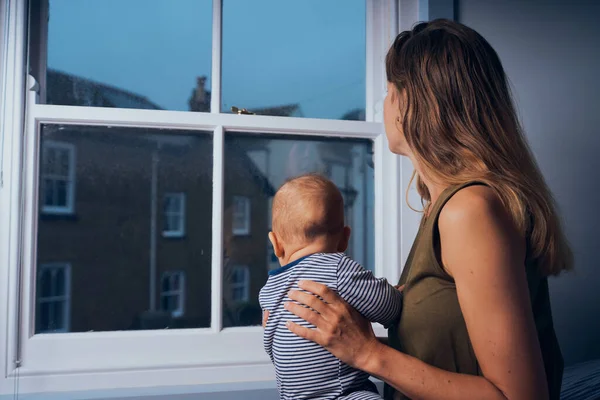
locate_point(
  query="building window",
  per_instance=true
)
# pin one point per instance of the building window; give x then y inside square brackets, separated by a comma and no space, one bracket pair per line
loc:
[174,215]
[57,177]
[53,301]
[172,295]
[241,215]
[240,284]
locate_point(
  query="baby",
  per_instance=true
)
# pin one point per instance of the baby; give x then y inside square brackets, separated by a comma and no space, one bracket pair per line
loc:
[309,238]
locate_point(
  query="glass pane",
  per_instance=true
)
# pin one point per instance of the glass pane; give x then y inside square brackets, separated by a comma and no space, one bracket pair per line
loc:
[288,157]
[44,317]
[303,59]
[175,283]
[61,193]
[59,315]
[121,177]
[59,282]
[147,54]
[45,283]
[166,283]
[49,161]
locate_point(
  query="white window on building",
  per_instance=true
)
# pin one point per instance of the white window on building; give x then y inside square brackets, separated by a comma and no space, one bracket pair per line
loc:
[172,294]
[240,284]
[57,177]
[53,300]
[241,215]
[174,215]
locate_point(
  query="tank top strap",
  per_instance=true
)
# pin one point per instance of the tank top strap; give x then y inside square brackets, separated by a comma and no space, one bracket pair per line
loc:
[445,196]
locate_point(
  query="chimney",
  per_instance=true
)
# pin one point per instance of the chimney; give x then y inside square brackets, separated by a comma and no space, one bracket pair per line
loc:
[200,99]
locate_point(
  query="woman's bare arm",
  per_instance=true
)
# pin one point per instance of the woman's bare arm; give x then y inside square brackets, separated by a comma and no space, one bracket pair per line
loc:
[485,254]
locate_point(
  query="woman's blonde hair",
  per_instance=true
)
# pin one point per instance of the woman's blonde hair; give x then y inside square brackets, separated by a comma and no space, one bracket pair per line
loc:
[461,125]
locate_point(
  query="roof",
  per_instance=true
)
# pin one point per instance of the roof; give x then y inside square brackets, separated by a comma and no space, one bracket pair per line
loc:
[73,90]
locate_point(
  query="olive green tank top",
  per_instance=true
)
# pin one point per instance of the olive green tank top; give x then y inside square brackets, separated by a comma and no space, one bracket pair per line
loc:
[431,326]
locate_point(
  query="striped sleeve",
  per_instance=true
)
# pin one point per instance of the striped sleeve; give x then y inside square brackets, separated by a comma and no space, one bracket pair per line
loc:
[374,298]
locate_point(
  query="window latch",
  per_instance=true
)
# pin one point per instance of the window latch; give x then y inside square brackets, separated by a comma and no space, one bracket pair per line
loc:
[241,111]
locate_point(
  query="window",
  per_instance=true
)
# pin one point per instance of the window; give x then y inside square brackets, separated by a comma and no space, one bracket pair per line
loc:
[149,119]
[336,38]
[174,215]
[53,302]
[240,284]
[172,296]
[118,219]
[58,177]
[241,215]
[175,57]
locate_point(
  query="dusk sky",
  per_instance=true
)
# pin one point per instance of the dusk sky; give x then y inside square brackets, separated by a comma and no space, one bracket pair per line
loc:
[275,52]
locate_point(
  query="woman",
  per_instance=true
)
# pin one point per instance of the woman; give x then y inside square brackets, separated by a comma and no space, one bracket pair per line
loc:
[476,320]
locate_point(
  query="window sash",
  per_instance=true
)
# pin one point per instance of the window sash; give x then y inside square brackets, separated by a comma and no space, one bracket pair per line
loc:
[62,300]
[198,351]
[243,273]
[174,217]
[58,149]
[241,215]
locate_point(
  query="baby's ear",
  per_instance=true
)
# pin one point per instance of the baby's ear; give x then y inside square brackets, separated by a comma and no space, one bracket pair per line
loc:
[343,245]
[277,246]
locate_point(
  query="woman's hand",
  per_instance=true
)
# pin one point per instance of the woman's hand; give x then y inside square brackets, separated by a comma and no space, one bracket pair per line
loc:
[339,328]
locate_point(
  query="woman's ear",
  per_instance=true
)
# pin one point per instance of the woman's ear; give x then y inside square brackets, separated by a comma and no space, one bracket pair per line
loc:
[343,244]
[277,246]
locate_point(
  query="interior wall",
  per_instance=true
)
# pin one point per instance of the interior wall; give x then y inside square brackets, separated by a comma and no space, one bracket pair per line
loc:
[550,50]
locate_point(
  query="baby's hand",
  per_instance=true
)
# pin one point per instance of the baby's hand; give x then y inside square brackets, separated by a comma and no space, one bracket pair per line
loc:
[265,318]
[400,287]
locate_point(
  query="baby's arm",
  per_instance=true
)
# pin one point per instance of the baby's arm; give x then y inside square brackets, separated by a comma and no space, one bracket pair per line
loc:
[374,298]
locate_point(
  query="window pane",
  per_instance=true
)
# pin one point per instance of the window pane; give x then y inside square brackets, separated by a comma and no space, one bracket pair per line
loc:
[45,283]
[50,161]
[166,283]
[148,54]
[59,282]
[304,58]
[61,193]
[44,317]
[175,283]
[121,178]
[59,315]
[288,157]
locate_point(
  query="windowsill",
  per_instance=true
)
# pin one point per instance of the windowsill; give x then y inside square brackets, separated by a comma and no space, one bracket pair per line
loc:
[55,216]
[173,235]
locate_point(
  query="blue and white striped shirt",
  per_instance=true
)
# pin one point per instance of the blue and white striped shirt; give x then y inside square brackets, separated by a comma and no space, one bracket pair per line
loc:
[304,369]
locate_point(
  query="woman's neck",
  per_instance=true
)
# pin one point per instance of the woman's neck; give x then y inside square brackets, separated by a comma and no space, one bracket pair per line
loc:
[434,189]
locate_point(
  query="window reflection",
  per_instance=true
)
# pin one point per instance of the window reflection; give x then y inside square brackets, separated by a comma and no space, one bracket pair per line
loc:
[137,237]
[347,162]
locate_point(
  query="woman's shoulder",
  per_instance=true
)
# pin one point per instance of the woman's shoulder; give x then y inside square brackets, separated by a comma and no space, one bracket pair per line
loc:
[471,204]
[475,218]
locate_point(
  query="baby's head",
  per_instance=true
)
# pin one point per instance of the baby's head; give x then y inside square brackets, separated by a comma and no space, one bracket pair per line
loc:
[308,217]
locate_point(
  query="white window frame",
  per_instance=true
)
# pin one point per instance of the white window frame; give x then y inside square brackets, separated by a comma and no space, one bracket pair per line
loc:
[244,284]
[104,361]
[245,213]
[180,293]
[181,215]
[65,299]
[68,208]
